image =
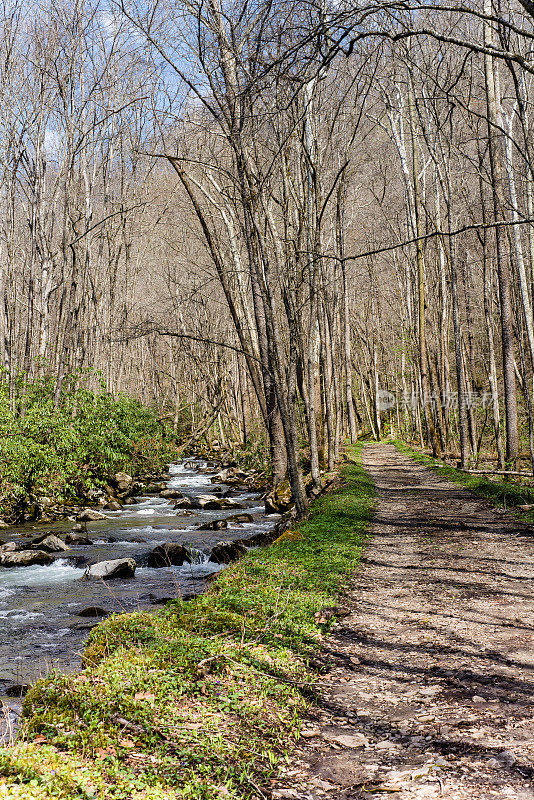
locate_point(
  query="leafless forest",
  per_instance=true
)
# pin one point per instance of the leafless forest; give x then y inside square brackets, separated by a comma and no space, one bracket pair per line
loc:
[279,220]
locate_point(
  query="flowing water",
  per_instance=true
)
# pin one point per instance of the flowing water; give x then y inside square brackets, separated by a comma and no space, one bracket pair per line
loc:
[39,625]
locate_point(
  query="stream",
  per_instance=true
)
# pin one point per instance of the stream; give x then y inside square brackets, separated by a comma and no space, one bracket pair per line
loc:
[39,605]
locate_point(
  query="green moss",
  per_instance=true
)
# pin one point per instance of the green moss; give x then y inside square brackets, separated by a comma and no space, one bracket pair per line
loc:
[203,699]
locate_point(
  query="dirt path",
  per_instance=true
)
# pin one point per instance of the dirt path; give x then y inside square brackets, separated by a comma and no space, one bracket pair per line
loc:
[430,691]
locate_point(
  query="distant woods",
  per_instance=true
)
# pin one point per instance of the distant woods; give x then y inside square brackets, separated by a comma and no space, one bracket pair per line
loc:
[282,222]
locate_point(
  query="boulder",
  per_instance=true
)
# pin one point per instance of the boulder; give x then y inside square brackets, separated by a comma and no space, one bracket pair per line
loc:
[77,539]
[92,611]
[122,481]
[130,501]
[214,525]
[25,558]
[95,496]
[112,505]
[203,501]
[171,494]
[107,570]
[260,539]
[209,502]
[226,502]
[12,547]
[51,543]
[278,501]
[234,477]
[154,488]
[221,476]
[183,502]
[90,515]
[226,552]
[81,527]
[17,690]
[271,506]
[169,553]
[239,518]
[75,560]
[4,524]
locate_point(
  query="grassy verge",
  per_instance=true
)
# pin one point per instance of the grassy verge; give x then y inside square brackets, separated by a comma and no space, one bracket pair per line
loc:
[499,491]
[203,699]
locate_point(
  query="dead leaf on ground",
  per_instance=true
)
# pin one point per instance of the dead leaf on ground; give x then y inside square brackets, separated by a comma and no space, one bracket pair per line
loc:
[148,696]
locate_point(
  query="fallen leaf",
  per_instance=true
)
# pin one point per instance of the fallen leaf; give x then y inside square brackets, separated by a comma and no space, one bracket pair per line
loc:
[148,696]
[126,743]
[102,752]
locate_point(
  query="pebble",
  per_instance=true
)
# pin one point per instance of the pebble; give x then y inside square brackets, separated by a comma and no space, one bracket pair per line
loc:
[430,690]
[387,745]
[347,739]
[506,757]
[309,733]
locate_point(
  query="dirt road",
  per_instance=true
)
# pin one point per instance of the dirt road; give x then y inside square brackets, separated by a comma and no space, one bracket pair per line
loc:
[430,688]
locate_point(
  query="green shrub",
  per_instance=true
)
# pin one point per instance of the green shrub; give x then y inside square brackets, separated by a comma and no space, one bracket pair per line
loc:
[62,443]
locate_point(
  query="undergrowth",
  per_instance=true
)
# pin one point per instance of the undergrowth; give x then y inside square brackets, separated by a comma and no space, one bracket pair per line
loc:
[203,699]
[62,441]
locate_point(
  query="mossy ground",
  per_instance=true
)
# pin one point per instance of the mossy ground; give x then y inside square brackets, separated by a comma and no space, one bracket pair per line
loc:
[502,492]
[203,699]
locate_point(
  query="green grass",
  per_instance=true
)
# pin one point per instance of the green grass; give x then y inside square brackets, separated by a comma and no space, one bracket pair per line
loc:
[499,491]
[202,700]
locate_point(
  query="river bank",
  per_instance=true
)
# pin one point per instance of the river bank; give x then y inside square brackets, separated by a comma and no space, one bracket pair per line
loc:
[202,699]
[171,534]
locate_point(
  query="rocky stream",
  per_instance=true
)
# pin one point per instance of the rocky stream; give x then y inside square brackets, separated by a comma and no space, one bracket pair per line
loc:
[167,542]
